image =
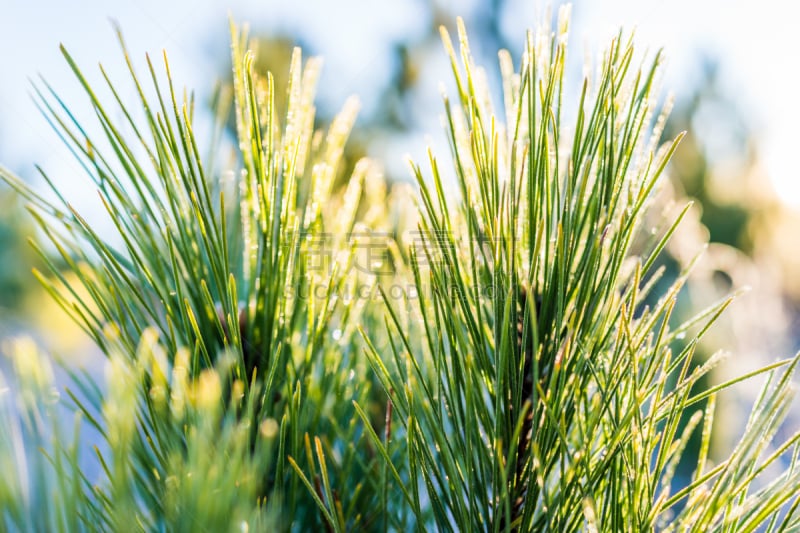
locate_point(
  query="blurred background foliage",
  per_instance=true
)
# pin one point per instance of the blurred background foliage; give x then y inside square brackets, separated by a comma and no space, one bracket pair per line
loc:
[16,257]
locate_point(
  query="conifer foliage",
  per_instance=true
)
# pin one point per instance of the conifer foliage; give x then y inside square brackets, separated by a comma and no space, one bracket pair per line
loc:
[529,381]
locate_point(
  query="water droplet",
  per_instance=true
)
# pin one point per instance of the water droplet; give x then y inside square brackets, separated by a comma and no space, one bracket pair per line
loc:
[337,334]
